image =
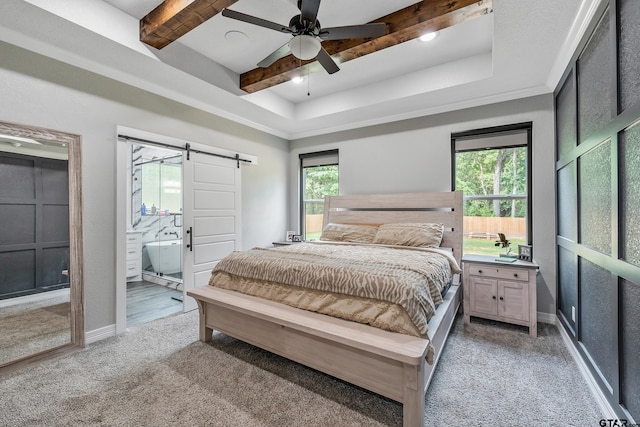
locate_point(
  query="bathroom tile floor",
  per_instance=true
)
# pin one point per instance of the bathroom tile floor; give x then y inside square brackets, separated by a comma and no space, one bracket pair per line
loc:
[148,301]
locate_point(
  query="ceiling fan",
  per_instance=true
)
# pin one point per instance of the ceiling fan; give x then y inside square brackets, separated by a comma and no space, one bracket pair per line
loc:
[306,31]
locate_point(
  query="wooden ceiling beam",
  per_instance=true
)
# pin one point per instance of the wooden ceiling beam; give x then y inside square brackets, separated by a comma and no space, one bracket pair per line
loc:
[404,25]
[174,18]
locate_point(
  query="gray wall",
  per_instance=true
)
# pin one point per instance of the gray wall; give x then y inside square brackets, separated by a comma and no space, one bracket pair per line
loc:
[415,155]
[42,92]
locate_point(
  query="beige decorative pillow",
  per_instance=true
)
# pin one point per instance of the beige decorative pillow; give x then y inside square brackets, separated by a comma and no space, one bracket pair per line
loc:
[349,233]
[423,235]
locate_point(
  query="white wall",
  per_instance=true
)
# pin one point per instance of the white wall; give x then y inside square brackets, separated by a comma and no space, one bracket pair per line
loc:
[42,92]
[415,155]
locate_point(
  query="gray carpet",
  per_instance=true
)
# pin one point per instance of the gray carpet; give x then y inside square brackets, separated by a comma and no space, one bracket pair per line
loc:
[29,328]
[159,374]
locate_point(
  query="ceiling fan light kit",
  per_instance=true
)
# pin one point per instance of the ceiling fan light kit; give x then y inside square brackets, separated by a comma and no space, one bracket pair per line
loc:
[306,31]
[305,47]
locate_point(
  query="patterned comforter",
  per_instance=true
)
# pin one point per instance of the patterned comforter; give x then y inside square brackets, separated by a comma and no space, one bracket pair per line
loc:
[393,288]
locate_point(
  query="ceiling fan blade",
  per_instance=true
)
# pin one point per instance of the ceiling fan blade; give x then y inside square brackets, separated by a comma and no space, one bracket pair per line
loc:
[327,62]
[375,29]
[279,53]
[309,10]
[255,21]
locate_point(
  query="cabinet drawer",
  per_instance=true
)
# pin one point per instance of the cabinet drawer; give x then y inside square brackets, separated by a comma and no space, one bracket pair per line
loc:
[499,272]
[134,238]
[133,253]
[132,268]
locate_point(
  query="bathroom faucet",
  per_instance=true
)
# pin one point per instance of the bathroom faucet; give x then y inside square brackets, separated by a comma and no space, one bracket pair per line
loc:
[172,232]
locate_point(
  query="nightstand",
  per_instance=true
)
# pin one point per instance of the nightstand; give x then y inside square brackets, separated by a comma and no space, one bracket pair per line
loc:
[502,291]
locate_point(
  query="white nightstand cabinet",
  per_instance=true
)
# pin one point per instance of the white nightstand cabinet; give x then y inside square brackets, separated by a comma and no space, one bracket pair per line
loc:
[500,291]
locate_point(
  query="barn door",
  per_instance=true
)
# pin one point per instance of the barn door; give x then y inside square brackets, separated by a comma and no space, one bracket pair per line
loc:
[211,217]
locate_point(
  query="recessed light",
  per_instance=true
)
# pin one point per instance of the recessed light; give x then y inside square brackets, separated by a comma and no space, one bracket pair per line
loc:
[428,36]
[236,37]
[297,79]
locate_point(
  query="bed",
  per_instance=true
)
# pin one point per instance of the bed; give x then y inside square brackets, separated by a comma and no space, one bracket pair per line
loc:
[396,365]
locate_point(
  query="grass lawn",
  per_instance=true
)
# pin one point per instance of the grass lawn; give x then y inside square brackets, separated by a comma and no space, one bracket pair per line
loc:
[487,247]
[313,236]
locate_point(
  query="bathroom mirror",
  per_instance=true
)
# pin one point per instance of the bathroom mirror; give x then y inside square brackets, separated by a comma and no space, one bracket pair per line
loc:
[41,277]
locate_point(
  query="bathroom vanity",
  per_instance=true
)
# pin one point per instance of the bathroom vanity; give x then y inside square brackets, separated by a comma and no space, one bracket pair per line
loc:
[134,256]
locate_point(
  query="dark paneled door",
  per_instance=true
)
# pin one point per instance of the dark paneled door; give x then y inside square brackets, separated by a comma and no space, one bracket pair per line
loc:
[34,225]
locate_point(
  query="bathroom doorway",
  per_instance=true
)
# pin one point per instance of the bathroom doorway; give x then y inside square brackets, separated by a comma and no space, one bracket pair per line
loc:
[154,236]
[208,224]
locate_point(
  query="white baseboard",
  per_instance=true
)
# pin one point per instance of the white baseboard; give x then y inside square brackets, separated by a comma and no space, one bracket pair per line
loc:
[547,318]
[601,399]
[100,334]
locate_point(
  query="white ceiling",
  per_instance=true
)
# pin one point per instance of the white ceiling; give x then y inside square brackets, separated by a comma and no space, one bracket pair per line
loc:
[521,49]
[247,44]
[33,147]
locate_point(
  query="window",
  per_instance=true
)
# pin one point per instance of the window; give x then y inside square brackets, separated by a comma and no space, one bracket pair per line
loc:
[492,167]
[318,178]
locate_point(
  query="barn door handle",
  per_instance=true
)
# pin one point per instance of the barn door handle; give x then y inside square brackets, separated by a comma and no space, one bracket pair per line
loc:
[190,233]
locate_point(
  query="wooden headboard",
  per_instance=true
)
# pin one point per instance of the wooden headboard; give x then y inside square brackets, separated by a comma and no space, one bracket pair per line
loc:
[376,209]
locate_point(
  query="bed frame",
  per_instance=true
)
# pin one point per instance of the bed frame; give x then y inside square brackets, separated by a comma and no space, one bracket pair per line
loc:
[387,363]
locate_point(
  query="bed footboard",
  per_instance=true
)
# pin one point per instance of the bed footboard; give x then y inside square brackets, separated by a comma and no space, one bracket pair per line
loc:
[390,364]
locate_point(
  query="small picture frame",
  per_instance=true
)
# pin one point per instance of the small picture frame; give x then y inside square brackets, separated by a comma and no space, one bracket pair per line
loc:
[525,252]
[290,235]
[296,238]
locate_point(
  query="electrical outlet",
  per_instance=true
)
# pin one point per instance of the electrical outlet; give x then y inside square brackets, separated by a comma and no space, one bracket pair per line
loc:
[573,313]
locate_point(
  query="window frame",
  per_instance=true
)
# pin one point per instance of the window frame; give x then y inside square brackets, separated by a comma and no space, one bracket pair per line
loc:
[313,155]
[500,131]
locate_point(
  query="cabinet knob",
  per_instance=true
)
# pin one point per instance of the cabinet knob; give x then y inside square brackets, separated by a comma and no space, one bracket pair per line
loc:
[494,297]
[480,271]
[501,299]
[515,274]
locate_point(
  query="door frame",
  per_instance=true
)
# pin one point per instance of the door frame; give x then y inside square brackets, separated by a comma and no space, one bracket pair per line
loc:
[124,208]
[122,198]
